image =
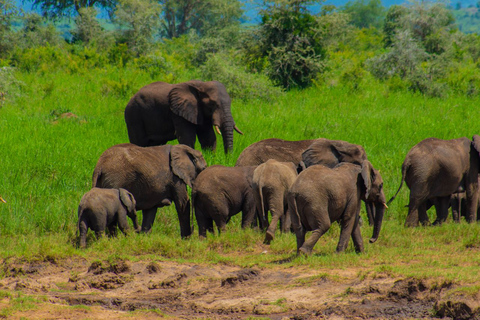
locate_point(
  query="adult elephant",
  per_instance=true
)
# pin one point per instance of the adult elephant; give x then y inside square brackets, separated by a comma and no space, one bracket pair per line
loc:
[277,149]
[434,169]
[321,196]
[155,176]
[160,112]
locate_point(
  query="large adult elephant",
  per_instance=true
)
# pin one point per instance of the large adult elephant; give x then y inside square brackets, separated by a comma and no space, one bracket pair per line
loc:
[277,149]
[156,176]
[160,112]
[434,169]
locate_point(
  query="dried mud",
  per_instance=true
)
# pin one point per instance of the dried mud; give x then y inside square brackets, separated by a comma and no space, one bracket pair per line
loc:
[111,290]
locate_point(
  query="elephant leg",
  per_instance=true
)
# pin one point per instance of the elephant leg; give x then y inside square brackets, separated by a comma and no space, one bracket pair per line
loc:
[472,204]
[112,230]
[123,224]
[456,205]
[347,226]
[185,131]
[422,215]
[357,238]
[286,221]
[83,228]
[416,212]
[276,208]
[248,210]
[148,219]
[202,222]
[182,204]
[99,234]
[441,206]
[323,226]
[206,137]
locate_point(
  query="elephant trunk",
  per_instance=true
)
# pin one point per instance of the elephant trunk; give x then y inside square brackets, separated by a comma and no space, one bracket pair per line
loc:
[227,134]
[379,213]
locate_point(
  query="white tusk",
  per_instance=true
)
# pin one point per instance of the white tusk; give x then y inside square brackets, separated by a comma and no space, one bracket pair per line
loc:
[218,130]
[2,200]
[238,130]
[385,205]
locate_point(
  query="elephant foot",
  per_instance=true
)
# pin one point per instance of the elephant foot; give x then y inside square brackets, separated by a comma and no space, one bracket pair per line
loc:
[268,237]
[437,223]
[304,251]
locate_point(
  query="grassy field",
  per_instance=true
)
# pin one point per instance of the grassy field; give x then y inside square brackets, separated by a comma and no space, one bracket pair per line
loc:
[47,164]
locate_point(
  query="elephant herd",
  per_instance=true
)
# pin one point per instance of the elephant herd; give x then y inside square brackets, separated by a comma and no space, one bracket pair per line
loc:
[306,185]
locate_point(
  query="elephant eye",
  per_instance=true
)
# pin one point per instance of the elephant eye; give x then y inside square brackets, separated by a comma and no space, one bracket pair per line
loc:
[381,186]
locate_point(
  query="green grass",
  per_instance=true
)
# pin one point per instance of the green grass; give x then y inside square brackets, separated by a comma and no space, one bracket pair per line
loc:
[47,165]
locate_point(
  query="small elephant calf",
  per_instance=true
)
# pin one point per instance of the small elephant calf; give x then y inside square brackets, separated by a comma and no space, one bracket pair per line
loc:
[100,209]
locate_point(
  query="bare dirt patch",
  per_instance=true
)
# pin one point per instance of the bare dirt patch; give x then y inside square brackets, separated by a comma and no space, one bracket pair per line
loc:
[76,288]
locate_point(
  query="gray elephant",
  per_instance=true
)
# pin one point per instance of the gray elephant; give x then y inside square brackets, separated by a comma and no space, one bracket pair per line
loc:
[161,112]
[436,169]
[271,181]
[221,192]
[321,196]
[155,176]
[278,149]
[332,152]
[100,209]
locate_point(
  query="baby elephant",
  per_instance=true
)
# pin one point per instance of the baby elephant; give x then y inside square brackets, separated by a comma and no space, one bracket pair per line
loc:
[271,181]
[321,196]
[221,192]
[105,208]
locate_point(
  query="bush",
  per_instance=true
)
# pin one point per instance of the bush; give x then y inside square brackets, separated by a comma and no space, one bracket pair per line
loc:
[239,83]
[10,87]
[288,38]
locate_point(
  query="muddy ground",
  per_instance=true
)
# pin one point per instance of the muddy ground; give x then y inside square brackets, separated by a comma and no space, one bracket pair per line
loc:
[113,290]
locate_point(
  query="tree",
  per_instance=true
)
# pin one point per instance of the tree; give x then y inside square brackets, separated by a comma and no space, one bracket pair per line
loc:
[139,21]
[365,14]
[289,39]
[8,12]
[181,16]
[58,8]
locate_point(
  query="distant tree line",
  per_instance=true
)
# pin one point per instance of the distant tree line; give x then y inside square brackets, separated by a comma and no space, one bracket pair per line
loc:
[416,46]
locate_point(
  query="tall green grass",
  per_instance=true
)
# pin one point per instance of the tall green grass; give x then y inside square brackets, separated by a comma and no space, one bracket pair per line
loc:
[47,164]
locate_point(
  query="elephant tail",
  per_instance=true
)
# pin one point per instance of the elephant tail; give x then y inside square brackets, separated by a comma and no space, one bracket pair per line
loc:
[405,167]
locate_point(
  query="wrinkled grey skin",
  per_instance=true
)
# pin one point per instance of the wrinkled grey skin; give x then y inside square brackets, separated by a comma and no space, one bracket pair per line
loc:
[436,169]
[100,209]
[271,181]
[332,152]
[160,112]
[278,149]
[321,196]
[219,193]
[156,176]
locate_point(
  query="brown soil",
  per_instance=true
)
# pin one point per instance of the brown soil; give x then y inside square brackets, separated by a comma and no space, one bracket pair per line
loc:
[184,291]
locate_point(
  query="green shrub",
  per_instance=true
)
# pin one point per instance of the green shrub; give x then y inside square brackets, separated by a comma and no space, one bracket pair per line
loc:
[240,84]
[10,87]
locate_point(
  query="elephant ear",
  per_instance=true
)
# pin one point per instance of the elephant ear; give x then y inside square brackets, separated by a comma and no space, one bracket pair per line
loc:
[186,163]
[184,102]
[347,152]
[127,199]
[368,175]
[476,142]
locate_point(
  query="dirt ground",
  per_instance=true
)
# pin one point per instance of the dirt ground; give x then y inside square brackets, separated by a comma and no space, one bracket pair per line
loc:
[78,289]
